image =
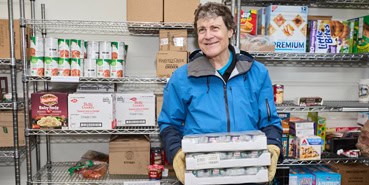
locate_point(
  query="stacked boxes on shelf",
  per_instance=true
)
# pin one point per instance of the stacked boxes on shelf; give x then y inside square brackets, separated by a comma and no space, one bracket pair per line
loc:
[311,175]
[220,158]
[6,132]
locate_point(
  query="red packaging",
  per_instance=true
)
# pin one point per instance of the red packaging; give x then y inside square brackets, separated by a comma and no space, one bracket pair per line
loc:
[155,171]
[248,22]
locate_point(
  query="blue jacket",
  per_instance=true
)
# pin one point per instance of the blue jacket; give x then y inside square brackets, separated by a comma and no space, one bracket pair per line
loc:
[197,100]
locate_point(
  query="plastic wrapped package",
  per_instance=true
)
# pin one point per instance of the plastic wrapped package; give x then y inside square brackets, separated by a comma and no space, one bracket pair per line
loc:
[256,43]
[93,165]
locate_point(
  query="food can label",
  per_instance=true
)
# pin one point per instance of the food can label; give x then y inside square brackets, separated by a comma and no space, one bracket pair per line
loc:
[64,67]
[51,47]
[105,50]
[51,66]
[75,48]
[89,68]
[84,49]
[76,67]
[103,68]
[278,93]
[116,68]
[37,47]
[64,48]
[92,49]
[36,66]
[117,50]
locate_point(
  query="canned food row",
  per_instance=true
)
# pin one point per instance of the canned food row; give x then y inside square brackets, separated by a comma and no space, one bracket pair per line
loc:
[54,66]
[227,172]
[75,48]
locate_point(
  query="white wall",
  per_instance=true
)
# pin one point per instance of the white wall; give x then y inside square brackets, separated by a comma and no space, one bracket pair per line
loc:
[331,83]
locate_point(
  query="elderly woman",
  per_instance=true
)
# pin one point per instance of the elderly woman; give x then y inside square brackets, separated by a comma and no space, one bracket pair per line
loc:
[221,89]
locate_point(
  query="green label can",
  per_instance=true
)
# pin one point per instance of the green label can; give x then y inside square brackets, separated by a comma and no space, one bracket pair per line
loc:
[37,66]
[103,68]
[64,48]
[51,66]
[64,67]
[116,68]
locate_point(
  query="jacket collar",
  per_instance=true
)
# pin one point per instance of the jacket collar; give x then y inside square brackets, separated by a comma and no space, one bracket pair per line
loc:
[200,65]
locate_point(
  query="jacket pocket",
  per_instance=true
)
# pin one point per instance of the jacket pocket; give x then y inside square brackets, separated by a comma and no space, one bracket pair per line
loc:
[267,108]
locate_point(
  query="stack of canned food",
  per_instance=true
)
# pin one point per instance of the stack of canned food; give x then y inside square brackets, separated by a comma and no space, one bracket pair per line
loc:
[226,158]
[73,57]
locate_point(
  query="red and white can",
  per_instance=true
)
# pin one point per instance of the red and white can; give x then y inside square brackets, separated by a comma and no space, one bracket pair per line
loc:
[76,67]
[117,50]
[76,48]
[64,48]
[64,66]
[278,93]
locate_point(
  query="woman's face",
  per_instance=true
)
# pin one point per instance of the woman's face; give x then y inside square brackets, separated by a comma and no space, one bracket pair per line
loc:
[213,36]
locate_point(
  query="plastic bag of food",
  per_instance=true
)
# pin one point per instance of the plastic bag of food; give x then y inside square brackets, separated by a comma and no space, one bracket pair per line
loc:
[256,43]
[94,172]
[93,165]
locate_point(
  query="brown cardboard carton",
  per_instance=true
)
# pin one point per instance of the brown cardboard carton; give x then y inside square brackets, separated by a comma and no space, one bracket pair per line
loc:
[159,104]
[145,10]
[352,174]
[4,39]
[6,129]
[168,61]
[164,36]
[129,155]
[173,40]
[180,10]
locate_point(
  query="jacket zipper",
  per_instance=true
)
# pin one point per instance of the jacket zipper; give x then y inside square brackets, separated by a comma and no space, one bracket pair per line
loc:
[268,108]
[226,104]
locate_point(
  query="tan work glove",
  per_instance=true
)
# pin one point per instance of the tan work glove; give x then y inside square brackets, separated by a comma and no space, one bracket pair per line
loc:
[179,165]
[274,154]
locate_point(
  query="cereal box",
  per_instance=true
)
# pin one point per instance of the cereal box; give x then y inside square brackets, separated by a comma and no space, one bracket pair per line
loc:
[287,26]
[308,148]
[298,176]
[49,110]
[323,175]
[363,36]
[248,22]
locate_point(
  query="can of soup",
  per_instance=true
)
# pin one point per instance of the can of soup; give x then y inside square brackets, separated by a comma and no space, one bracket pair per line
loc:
[103,68]
[89,67]
[37,47]
[75,48]
[64,48]
[76,66]
[51,48]
[105,50]
[117,50]
[37,66]
[64,67]
[51,66]
[116,68]
[92,49]
[278,93]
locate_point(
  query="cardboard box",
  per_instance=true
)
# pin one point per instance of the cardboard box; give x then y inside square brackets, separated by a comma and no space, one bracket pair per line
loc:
[145,10]
[135,109]
[49,110]
[6,129]
[323,175]
[91,111]
[159,105]
[287,26]
[129,155]
[173,40]
[4,39]
[299,176]
[168,61]
[352,174]
[308,148]
[180,10]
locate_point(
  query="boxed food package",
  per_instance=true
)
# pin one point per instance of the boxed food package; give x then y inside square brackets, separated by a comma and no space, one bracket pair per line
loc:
[261,21]
[248,22]
[233,141]
[308,148]
[145,10]
[299,176]
[4,39]
[6,132]
[285,116]
[355,33]
[159,105]
[135,109]
[89,111]
[287,26]
[321,127]
[173,40]
[168,61]
[179,10]
[227,176]
[329,36]
[197,161]
[363,36]
[129,155]
[352,174]
[302,132]
[49,110]
[323,175]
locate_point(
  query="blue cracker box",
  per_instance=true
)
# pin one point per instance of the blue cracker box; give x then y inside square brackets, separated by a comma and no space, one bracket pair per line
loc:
[285,116]
[324,176]
[287,26]
[298,176]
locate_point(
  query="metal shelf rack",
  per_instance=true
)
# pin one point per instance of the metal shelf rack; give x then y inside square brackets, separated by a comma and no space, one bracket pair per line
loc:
[97,80]
[57,173]
[104,27]
[7,155]
[336,4]
[327,158]
[328,106]
[118,130]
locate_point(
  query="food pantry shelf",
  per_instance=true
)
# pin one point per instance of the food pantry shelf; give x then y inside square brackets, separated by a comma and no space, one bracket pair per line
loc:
[328,106]
[99,80]
[104,27]
[7,155]
[58,173]
[9,105]
[342,4]
[327,158]
[118,130]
